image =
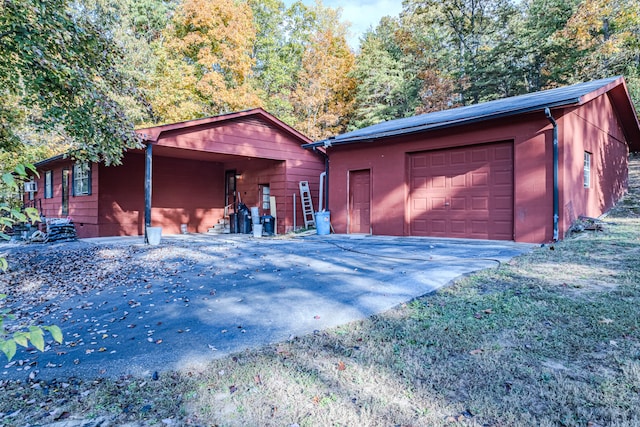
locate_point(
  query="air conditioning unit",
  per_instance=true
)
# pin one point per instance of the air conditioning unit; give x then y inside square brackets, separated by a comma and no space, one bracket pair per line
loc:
[30,187]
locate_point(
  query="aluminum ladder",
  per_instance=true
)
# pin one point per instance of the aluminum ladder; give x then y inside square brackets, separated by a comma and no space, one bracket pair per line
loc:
[307,205]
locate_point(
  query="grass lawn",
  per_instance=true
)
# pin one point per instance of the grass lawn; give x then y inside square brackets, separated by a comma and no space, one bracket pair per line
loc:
[550,339]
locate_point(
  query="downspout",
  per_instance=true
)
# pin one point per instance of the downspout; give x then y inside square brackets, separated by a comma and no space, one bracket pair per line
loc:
[326,171]
[147,189]
[547,113]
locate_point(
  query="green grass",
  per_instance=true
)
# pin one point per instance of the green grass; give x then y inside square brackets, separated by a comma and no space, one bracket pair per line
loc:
[551,338]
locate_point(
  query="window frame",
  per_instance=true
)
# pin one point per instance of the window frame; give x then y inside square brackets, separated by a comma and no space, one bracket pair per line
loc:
[48,184]
[81,179]
[587,164]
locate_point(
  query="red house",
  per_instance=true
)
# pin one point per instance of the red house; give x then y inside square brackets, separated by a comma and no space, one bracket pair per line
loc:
[521,168]
[192,170]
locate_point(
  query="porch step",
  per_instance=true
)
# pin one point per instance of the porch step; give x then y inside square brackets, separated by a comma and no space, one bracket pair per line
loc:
[222,227]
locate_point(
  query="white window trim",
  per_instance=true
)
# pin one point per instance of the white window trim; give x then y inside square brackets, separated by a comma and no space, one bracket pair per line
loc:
[587,162]
[81,180]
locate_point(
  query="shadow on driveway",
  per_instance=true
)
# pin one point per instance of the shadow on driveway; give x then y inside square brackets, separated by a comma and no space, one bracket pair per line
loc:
[215,295]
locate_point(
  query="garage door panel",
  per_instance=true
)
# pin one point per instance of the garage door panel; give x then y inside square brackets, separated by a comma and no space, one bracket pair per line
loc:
[479,203]
[479,179]
[419,204]
[458,203]
[459,181]
[503,153]
[439,182]
[438,203]
[479,155]
[435,160]
[458,226]
[458,158]
[469,193]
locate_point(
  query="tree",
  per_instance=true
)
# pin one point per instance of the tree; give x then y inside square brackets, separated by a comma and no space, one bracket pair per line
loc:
[605,37]
[205,61]
[323,98]
[386,86]
[57,75]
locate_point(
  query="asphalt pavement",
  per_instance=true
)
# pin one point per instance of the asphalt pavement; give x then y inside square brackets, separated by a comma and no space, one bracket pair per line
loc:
[234,292]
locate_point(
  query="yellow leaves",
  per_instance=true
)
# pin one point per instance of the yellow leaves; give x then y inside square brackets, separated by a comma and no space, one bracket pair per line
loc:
[206,61]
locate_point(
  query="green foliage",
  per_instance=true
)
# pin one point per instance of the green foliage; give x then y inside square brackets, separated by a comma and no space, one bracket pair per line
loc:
[8,217]
[55,58]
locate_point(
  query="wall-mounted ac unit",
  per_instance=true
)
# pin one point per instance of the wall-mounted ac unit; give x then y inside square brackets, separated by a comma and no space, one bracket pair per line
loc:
[30,187]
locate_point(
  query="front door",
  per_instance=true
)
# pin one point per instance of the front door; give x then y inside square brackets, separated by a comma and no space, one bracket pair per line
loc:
[360,201]
[65,192]
[230,188]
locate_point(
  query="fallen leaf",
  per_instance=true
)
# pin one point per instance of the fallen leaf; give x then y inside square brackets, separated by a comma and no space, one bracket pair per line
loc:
[341,366]
[476,351]
[232,389]
[488,311]
[605,321]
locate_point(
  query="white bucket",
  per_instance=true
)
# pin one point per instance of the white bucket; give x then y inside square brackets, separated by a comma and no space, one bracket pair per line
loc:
[184,229]
[153,235]
[257,230]
[255,215]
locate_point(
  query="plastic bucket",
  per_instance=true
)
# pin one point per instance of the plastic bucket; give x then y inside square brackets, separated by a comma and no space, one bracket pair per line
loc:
[257,230]
[184,229]
[323,222]
[154,234]
[255,215]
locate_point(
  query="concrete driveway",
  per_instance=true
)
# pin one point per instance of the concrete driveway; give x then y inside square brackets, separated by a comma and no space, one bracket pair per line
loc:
[229,293]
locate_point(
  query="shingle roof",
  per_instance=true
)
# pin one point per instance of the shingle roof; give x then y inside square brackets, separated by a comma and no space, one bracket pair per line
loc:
[560,97]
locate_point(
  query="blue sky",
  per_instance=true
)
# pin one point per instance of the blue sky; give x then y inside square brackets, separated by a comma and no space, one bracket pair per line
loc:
[362,14]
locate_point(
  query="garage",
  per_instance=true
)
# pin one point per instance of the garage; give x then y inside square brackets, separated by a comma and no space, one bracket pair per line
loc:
[523,168]
[463,192]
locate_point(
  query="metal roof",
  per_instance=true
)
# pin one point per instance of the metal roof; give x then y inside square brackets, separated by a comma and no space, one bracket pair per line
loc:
[537,101]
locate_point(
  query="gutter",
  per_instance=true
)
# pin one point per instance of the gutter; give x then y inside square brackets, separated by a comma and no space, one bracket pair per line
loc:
[326,177]
[547,113]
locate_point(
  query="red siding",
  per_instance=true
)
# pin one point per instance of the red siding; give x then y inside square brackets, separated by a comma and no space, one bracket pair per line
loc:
[82,209]
[184,192]
[593,128]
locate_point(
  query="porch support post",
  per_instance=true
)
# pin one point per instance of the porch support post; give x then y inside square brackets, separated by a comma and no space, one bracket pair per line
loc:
[148,163]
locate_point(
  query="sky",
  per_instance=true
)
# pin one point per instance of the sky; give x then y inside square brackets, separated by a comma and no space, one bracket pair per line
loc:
[362,14]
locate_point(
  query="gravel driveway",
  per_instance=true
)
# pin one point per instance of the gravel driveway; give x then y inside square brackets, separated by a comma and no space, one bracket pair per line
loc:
[130,309]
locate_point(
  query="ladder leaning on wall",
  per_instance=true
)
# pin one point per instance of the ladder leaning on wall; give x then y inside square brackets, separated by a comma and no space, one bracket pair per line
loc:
[307,205]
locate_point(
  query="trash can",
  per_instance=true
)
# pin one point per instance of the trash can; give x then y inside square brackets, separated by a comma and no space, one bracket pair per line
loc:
[323,222]
[233,223]
[244,219]
[257,230]
[268,225]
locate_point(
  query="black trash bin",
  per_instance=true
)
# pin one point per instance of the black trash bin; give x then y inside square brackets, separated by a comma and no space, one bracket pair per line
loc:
[233,223]
[268,225]
[244,219]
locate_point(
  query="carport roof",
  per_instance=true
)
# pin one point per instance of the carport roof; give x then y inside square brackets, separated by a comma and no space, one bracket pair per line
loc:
[153,134]
[573,95]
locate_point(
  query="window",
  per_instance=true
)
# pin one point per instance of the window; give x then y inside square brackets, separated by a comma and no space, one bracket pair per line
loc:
[48,184]
[81,179]
[587,169]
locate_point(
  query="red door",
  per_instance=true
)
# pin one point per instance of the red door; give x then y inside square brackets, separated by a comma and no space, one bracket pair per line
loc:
[463,192]
[360,201]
